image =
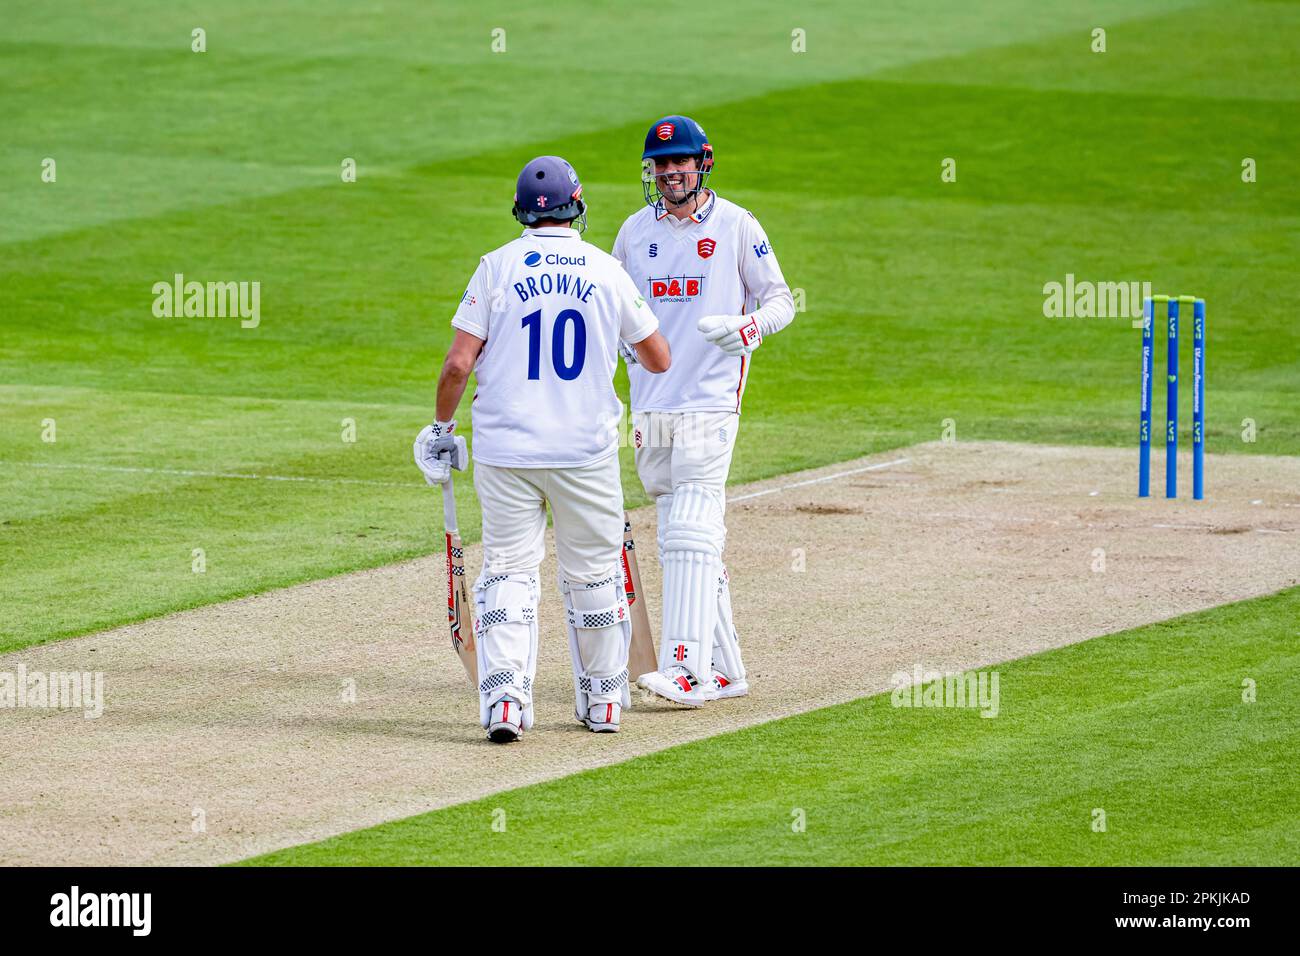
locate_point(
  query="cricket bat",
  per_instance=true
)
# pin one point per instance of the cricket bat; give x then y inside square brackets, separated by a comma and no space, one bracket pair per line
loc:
[460,613]
[642,656]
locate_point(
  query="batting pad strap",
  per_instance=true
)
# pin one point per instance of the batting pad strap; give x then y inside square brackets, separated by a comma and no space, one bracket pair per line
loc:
[506,599]
[505,679]
[589,618]
[602,685]
[504,615]
[596,604]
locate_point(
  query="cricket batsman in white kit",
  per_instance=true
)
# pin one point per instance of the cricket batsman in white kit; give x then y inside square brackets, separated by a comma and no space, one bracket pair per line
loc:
[540,326]
[709,272]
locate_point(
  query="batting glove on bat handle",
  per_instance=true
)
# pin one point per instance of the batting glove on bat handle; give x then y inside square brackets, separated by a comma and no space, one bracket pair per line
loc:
[438,450]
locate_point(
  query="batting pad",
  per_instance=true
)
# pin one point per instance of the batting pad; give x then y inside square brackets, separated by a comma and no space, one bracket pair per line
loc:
[663,512]
[506,641]
[726,643]
[600,632]
[692,564]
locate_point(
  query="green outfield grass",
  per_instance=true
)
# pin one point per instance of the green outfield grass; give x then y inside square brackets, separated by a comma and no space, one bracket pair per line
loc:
[1148,726]
[923,298]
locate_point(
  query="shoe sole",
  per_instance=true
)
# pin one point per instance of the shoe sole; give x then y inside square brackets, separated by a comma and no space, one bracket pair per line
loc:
[504,735]
[694,704]
[734,689]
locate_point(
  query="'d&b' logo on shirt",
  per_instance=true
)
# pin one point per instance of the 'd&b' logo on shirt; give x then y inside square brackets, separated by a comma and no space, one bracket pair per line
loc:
[675,288]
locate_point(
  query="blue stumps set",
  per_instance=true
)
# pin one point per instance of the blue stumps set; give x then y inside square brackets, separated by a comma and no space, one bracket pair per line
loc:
[1173,305]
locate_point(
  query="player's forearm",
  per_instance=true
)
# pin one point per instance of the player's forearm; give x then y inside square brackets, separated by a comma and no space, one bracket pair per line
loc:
[777,311]
[461,357]
[653,354]
[451,387]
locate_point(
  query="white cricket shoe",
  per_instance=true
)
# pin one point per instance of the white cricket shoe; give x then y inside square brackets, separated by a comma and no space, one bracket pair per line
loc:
[722,687]
[505,721]
[676,684]
[603,718]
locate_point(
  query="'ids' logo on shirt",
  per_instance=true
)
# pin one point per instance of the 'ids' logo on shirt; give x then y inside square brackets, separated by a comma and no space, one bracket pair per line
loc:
[675,287]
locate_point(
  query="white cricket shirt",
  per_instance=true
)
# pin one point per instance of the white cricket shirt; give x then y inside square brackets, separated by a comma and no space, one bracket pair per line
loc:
[717,262]
[551,309]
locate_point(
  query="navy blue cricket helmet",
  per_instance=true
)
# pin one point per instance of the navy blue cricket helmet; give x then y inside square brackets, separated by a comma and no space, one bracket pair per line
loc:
[548,188]
[674,136]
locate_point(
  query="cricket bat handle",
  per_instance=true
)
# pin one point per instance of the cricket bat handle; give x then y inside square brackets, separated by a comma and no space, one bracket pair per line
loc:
[449,506]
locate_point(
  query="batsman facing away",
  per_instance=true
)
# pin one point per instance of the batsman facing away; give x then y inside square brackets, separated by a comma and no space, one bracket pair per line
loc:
[540,325]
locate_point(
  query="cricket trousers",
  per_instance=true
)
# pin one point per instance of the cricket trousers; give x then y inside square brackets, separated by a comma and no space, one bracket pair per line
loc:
[586,504]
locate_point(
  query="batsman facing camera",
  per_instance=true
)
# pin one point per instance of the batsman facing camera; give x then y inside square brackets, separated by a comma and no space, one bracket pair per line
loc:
[676,162]
[712,277]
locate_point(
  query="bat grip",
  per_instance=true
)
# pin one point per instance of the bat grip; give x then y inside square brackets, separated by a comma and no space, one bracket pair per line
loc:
[449,506]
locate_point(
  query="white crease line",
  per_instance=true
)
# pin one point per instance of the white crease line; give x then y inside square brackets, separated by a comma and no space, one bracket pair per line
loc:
[817,481]
[184,473]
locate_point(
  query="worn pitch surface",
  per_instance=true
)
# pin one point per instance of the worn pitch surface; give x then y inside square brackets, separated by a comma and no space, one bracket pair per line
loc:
[240,715]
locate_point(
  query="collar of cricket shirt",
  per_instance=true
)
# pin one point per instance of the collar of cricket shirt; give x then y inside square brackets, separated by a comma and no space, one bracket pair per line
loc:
[552,232]
[698,216]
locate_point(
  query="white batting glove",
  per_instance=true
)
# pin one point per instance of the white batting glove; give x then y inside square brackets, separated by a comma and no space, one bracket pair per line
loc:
[734,334]
[628,353]
[438,450]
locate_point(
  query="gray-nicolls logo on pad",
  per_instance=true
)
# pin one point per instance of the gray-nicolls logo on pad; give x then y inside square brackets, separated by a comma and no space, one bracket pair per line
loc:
[75,908]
